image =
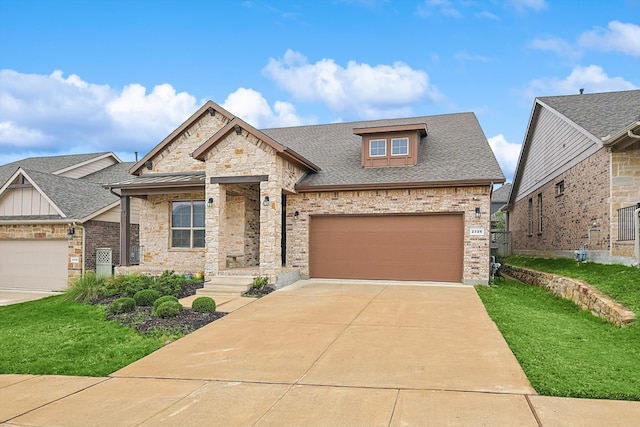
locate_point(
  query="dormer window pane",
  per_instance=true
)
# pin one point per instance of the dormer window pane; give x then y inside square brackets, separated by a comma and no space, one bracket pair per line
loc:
[399,146]
[377,147]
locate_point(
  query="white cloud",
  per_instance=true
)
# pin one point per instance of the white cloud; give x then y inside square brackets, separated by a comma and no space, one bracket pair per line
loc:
[591,78]
[444,7]
[9,132]
[487,15]
[557,45]
[506,153]
[620,37]
[523,5]
[251,107]
[364,90]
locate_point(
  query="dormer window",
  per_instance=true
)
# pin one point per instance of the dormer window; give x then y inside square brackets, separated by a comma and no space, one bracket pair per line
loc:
[399,146]
[389,146]
[378,147]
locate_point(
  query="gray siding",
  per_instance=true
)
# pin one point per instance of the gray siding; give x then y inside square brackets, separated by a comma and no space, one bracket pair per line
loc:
[88,168]
[554,148]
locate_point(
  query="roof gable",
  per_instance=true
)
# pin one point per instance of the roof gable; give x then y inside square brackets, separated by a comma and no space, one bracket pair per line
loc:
[42,204]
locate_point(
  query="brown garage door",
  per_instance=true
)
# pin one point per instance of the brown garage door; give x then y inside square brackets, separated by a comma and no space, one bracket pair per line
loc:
[33,264]
[391,247]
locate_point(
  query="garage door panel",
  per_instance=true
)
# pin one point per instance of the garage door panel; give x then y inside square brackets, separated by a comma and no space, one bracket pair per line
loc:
[415,247]
[33,264]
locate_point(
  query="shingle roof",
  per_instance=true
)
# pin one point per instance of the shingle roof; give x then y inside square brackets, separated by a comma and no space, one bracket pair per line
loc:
[600,114]
[455,149]
[501,195]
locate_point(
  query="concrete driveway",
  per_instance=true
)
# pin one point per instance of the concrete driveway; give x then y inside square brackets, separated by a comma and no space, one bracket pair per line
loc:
[319,353]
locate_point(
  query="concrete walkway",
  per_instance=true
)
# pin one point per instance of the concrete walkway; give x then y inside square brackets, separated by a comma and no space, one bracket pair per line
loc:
[15,296]
[319,353]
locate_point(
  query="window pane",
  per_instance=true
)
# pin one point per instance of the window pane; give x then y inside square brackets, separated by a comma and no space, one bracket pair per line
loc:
[399,146]
[198,213]
[198,238]
[180,238]
[378,147]
[181,214]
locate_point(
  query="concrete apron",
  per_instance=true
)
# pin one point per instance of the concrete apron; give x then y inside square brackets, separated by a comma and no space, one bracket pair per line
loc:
[319,353]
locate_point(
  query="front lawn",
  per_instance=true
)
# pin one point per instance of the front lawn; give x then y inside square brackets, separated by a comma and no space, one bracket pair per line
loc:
[55,337]
[566,351]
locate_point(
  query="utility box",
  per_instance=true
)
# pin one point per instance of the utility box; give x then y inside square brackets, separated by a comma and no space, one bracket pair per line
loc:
[104,262]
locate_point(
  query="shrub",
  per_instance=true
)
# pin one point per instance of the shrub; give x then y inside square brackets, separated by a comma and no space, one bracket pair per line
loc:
[162,299]
[168,283]
[260,282]
[203,305]
[122,305]
[169,309]
[146,297]
[127,284]
[86,289]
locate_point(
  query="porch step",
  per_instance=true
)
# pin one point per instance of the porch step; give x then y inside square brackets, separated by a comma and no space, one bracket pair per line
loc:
[226,286]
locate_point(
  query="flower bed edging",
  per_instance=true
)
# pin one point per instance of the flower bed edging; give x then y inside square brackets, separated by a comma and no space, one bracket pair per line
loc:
[583,294]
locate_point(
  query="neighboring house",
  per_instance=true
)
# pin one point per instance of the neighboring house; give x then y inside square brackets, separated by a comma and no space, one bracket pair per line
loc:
[499,200]
[404,199]
[578,178]
[54,214]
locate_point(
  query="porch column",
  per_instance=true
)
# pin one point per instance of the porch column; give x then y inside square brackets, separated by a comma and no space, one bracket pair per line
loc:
[215,217]
[125,230]
[270,229]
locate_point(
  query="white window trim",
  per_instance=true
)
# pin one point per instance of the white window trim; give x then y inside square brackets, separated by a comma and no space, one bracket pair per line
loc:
[190,228]
[385,147]
[400,139]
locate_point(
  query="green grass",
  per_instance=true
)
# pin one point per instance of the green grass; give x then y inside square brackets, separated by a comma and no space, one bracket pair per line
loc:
[55,337]
[619,282]
[566,351]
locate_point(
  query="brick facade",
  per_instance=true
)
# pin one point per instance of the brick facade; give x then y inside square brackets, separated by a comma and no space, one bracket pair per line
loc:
[566,218]
[625,191]
[102,234]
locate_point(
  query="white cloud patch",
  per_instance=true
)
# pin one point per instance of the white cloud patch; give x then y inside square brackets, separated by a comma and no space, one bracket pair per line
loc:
[485,14]
[557,45]
[10,132]
[591,78]
[253,108]
[618,37]
[443,7]
[506,153]
[361,89]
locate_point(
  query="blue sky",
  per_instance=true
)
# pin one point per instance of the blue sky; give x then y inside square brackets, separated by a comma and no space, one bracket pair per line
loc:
[120,75]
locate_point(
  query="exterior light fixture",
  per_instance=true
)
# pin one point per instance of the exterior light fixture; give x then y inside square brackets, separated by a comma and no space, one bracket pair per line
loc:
[477,212]
[71,232]
[210,202]
[296,215]
[265,202]
[238,129]
[211,111]
[149,164]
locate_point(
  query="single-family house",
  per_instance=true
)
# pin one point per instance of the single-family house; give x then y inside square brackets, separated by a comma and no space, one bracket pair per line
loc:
[55,214]
[577,182]
[404,199]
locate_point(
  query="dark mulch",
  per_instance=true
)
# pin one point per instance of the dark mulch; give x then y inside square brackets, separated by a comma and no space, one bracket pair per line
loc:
[258,293]
[142,320]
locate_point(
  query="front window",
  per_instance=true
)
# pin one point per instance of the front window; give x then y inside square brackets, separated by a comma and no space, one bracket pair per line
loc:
[377,147]
[187,224]
[530,217]
[400,146]
[540,213]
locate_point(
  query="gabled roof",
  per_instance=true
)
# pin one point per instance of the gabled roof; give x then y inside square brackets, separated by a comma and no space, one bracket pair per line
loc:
[75,199]
[501,195]
[455,152]
[600,114]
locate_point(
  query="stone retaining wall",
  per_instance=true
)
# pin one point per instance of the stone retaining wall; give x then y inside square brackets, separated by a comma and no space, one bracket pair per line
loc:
[581,293]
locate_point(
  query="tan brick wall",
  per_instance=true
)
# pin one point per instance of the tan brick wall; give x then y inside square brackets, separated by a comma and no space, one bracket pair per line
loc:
[155,228]
[50,231]
[625,191]
[566,219]
[464,199]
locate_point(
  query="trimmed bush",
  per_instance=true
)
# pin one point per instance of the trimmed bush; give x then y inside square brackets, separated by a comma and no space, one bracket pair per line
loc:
[86,289]
[162,299]
[168,283]
[203,305]
[122,305]
[127,284]
[146,297]
[169,309]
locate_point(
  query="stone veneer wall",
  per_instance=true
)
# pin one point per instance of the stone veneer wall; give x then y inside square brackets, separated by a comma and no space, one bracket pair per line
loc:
[625,191]
[155,229]
[581,293]
[567,217]
[50,231]
[427,200]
